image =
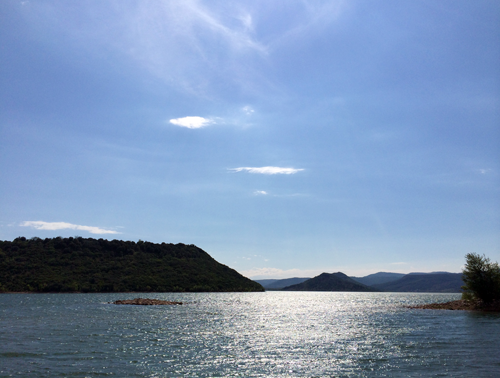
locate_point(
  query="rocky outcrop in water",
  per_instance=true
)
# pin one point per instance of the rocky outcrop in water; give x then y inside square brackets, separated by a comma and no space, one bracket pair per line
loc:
[145,302]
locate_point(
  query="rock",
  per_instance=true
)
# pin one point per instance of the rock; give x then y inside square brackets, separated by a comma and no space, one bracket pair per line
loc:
[145,302]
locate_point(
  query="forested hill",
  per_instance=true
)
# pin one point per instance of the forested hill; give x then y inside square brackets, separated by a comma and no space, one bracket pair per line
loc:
[90,265]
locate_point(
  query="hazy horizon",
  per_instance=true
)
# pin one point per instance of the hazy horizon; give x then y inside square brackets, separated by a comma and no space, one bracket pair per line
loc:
[348,274]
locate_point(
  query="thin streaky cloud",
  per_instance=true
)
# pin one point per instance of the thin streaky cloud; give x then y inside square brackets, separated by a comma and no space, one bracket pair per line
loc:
[237,39]
[191,122]
[260,193]
[316,16]
[53,226]
[170,40]
[267,170]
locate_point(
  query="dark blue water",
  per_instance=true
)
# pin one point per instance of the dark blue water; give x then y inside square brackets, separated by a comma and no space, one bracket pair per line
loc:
[272,334]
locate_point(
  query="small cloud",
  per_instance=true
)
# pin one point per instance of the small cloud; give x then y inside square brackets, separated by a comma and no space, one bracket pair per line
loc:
[248,110]
[260,193]
[484,171]
[53,226]
[191,122]
[267,170]
[246,21]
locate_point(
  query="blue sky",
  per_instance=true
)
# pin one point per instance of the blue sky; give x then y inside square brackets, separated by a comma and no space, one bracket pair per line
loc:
[285,138]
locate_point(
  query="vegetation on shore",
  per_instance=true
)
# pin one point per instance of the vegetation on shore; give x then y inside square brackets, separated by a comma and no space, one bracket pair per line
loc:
[89,265]
[481,278]
[481,289]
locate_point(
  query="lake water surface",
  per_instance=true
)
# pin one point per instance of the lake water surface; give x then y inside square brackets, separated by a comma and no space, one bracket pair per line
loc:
[272,334]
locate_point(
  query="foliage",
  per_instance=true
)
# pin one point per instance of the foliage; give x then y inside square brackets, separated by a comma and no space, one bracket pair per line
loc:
[90,265]
[481,278]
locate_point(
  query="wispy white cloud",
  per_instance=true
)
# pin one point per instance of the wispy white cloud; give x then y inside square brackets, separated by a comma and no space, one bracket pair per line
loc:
[268,170]
[53,226]
[191,122]
[247,21]
[187,42]
[193,45]
[260,193]
[311,17]
[248,110]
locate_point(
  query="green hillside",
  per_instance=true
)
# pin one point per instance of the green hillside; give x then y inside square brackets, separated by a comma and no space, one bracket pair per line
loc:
[90,265]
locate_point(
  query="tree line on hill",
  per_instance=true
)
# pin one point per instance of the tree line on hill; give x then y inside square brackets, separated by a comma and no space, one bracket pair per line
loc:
[90,265]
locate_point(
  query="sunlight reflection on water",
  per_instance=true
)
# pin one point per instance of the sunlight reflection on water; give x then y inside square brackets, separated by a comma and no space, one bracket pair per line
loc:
[244,334]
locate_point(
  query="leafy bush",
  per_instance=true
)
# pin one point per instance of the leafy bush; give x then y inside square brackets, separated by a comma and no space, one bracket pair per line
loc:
[481,278]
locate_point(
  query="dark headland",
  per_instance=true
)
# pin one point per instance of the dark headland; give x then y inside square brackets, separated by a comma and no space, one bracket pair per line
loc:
[86,265]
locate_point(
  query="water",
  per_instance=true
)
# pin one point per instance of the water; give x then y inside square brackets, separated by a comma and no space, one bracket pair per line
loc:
[272,334]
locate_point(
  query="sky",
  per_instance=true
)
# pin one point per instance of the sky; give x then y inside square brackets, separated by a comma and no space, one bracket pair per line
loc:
[284,138]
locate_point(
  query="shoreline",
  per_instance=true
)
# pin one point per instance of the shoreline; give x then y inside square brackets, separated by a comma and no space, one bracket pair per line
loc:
[461,305]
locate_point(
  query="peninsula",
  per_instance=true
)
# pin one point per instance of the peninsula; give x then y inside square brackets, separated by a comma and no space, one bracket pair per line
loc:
[71,265]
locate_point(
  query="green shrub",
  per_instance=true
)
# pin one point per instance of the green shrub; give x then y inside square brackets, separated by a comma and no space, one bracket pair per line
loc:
[481,278]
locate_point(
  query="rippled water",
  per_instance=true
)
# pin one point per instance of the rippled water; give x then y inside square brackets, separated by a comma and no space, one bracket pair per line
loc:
[272,334]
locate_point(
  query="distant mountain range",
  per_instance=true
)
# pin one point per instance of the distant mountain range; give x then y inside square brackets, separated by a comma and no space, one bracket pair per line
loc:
[378,278]
[436,282]
[330,282]
[425,283]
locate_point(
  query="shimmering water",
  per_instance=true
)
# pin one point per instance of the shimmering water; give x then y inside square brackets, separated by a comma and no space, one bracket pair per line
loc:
[272,334]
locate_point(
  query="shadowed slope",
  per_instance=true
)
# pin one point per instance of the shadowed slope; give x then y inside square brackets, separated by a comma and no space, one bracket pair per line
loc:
[330,282]
[378,278]
[425,283]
